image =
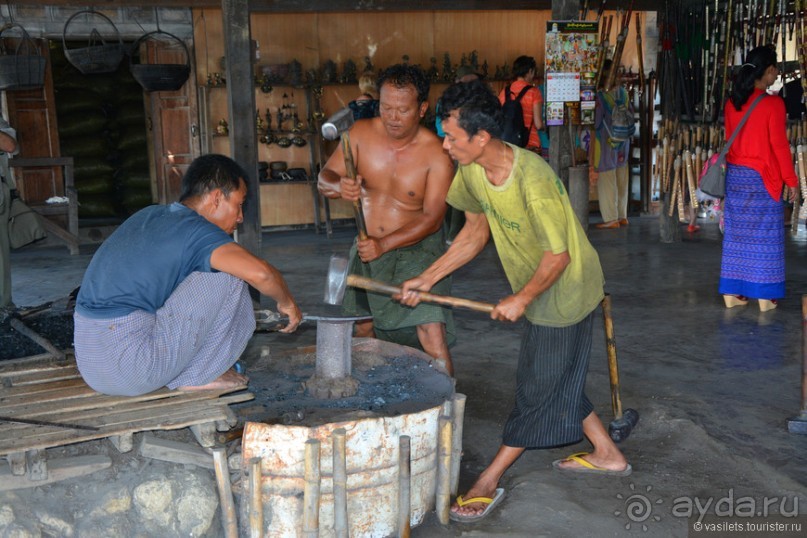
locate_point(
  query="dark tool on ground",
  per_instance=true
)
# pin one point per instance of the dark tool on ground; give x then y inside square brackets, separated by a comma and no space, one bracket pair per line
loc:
[624,421]
[798,424]
[338,125]
[35,422]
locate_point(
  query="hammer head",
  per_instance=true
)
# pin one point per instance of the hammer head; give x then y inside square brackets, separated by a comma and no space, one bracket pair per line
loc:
[337,124]
[336,281]
[620,429]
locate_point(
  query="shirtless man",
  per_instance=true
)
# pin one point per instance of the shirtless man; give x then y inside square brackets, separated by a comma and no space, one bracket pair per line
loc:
[403,176]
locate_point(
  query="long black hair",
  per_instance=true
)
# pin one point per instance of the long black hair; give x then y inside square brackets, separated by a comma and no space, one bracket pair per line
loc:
[756,63]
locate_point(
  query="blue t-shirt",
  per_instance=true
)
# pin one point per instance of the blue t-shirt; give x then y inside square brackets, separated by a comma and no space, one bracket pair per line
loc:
[140,265]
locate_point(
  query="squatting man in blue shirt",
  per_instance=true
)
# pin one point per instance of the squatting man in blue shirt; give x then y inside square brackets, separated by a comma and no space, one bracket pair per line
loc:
[165,301]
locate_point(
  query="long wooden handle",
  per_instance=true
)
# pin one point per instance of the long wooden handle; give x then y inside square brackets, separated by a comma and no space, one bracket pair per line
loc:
[350,167]
[610,347]
[358,281]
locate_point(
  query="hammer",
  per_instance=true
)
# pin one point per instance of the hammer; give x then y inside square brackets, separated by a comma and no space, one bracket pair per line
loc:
[339,124]
[623,422]
[338,280]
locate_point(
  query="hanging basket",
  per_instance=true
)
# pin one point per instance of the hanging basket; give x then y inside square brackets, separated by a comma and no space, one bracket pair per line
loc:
[98,56]
[160,77]
[25,68]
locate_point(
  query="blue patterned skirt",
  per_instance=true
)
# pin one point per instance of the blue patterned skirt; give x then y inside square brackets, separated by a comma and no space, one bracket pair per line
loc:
[753,262]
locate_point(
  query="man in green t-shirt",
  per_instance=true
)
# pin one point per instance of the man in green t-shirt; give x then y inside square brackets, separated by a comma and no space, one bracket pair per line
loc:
[512,195]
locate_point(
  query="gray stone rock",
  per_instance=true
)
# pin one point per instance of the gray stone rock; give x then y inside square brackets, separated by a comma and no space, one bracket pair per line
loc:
[106,527]
[15,530]
[152,501]
[197,504]
[55,525]
[6,515]
[113,502]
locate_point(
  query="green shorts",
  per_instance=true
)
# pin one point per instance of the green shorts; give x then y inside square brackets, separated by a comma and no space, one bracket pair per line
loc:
[393,321]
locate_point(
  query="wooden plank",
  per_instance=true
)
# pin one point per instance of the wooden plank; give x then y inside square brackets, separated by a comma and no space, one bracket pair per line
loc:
[205,433]
[12,392]
[174,451]
[46,395]
[130,420]
[47,439]
[123,442]
[32,363]
[33,378]
[37,463]
[60,469]
[105,402]
[16,462]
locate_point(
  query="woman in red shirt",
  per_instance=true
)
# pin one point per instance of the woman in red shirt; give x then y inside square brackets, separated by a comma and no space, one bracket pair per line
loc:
[524,69]
[759,166]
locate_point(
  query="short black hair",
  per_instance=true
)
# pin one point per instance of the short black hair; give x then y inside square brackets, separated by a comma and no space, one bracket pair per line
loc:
[403,75]
[522,65]
[209,172]
[479,108]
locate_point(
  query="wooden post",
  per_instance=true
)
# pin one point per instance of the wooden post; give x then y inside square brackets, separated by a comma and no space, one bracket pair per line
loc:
[255,498]
[228,519]
[340,523]
[241,110]
[443,486]
[457,418]
[404,486]
[311,492]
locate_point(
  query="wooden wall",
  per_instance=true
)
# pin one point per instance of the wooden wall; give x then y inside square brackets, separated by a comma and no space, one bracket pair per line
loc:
[313,38]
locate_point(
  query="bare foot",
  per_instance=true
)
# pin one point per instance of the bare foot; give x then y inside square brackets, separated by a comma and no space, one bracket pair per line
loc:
[480,489]
[612,462]
[228,380]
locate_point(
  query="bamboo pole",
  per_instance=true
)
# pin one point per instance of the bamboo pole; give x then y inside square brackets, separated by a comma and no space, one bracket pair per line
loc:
[228,518]
[340,522]
[404,486]
[443,486]
[675,187]
[255,498]
[457,418]
[311,489]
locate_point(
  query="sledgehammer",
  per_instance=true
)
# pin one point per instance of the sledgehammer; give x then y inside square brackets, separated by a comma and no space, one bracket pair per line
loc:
[338,125]
[623,422]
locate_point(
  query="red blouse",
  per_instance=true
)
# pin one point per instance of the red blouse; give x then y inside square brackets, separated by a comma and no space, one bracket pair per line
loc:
[762,144]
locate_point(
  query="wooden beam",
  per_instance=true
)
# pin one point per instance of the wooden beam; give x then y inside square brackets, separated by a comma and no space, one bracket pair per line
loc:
[336,6]
[241,105]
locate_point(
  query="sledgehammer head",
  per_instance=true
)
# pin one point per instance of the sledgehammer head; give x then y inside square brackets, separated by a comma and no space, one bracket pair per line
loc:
[339,123]
[798,424]
[620,428]
[337,280]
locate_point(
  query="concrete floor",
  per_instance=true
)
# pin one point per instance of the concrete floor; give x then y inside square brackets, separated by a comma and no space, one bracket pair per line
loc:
[713,387]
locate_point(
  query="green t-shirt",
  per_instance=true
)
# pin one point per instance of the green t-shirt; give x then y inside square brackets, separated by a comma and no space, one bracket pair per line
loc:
[528,215]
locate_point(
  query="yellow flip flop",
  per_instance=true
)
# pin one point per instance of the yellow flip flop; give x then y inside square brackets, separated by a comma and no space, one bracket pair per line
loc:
[586,467]
[490,502]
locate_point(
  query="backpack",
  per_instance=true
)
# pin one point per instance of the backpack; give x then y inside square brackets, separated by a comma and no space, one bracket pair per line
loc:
[513,128]
[623,124]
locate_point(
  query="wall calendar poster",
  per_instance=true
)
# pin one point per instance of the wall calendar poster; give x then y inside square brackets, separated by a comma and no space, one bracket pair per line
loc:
[572,50]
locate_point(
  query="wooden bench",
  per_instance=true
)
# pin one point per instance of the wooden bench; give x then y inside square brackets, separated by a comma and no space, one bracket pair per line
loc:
[61,409]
